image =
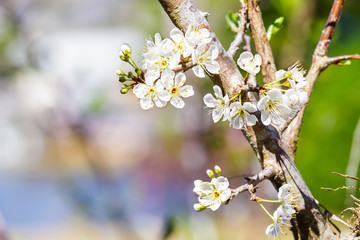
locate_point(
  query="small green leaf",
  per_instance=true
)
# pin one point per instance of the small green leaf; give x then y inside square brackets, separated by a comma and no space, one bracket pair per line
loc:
[347,63]
[275,27]
[232,21]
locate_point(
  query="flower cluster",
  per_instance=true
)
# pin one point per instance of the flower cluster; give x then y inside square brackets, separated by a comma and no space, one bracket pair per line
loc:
[212,194]
[279,101]
[158,82]
[284,213]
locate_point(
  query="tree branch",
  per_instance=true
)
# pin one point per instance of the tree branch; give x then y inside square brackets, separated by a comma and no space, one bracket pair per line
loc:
[239,38]
[261,41]
[184,67]
[319,63]
[337,60]
[254,180]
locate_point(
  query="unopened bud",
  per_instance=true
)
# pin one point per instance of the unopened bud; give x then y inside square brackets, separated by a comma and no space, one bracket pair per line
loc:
[210,173]
[217,170]
[198,207]
[130,75]
[125,48]
[138,71]
[120,72]
[125,52]
[124,90]
[347,63]
[122,79]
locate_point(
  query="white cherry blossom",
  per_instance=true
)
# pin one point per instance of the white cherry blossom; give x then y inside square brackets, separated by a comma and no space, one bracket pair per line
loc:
[273,108]
[196,35]
[295,100]
[176,90]
[149,94]
[279,220]
[181,44]
[213,194]
[287,198]
[219,104]
[294,75]
[125,50]
[249,63]
[240,115]
[160,54]
[204,57]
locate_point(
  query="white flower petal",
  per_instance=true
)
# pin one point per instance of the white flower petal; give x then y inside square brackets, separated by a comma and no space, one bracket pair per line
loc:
[198,71]
[210,101]
[265,118]
[146,103]
[251,120]
[244,56]
[180,79]
[140,90]
[216,115]
[186,91]
[221,183]
[280,74]
[159,102]
[176,35]
[257,59]
[218,91]
[151,76]
[213,67]
[262,103]
[274,94]
[177,102]
[164,96]
[225,195]
[215,205]
[250,107]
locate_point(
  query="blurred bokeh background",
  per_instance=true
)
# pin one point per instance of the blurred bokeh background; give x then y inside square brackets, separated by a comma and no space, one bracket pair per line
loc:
[78,160]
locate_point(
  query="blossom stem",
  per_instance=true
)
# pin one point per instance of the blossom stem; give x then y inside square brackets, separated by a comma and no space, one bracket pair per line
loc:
[262,206]
[279,80]
[132,63]
[238,94]
[270,201]
[277,85]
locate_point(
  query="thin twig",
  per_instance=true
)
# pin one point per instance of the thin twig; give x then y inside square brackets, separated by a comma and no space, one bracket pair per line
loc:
[331,23]
[254,180]
[239,38]
[347,176]
[337,60]
[319,63]
[247,46]
[184,67]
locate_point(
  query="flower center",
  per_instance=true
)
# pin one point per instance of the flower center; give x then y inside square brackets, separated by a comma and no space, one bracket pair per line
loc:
[163,63]
[174,91]
[151,91]
[216,194]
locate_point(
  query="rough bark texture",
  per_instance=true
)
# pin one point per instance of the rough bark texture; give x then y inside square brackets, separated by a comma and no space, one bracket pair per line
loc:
[261,41]
[274,149]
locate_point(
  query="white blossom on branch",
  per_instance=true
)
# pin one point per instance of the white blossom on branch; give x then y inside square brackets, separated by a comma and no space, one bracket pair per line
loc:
[219,104]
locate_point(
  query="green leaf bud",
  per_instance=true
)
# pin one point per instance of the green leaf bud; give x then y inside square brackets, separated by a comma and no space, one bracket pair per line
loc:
[198,207]
[217,170]
[124,90]
[122,79]
[210,173]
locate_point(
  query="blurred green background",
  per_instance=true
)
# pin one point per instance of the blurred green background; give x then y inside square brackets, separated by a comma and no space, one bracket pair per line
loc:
[78,160]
